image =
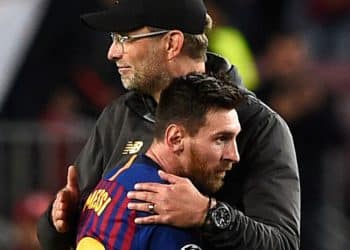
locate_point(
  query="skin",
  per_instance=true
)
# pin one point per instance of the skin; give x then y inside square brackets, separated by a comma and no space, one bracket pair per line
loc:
[66,202]
[146,65]
[142,65]
[213,151]
[202,159]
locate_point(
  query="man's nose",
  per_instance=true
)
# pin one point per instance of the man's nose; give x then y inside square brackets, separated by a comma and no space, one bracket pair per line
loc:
[231,152]
[115,52]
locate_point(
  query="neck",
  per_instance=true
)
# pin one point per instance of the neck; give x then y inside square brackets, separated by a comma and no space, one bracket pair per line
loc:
[162,157]
[185,65]
[181,66]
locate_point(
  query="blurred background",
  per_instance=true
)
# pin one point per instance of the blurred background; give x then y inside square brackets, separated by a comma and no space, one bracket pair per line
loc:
[55,80]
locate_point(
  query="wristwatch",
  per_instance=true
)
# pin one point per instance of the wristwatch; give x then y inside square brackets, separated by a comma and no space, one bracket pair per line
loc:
[219,217]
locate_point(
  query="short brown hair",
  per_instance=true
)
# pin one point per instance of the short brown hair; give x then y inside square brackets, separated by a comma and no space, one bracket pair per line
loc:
[188,99]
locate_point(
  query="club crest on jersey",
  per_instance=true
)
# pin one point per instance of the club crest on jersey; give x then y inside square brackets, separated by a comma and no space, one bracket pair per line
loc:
[191,247]
[132,147]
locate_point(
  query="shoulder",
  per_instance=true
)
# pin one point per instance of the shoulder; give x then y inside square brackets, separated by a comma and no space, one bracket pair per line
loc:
[264,133]
[137,173]
[121,104]
[255,114]
[129,108]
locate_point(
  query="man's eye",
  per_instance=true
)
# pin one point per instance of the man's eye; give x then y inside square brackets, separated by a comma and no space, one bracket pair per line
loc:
[221,139]
[123,39]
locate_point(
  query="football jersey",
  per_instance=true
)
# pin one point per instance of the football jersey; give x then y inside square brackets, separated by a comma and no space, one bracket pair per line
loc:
[107,224]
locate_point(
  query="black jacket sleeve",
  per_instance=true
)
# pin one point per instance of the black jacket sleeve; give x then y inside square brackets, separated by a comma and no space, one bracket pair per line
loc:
[266,182]
[49,238]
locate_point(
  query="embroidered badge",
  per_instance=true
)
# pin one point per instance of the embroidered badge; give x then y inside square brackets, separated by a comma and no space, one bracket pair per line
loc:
[132,147]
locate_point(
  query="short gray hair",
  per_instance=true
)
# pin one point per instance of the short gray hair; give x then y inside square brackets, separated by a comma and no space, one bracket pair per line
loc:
[195,46]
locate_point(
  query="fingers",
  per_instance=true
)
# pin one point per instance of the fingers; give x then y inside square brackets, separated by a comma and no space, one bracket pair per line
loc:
[63,195]
[61,226]
[152,219]
[172,179]
[62,209]
[150,208]
[65,204]
[144,207]
[150,187]
[60,212]
[72,178]
[149,197]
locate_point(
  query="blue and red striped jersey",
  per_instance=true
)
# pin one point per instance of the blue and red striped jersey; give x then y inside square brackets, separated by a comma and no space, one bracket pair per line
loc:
[107,224]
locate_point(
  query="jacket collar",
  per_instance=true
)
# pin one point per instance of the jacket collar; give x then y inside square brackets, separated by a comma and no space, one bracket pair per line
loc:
[142,104]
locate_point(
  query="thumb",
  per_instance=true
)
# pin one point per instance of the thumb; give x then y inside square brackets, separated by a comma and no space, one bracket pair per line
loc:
[170,178]
[72,179]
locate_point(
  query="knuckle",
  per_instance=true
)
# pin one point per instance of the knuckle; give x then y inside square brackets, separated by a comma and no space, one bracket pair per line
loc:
[143,195]
[152,220]
[166,219]
[145,207]
[58,226]
[60,215]
[168,189]
[166,209]
[187,180]
[57,215]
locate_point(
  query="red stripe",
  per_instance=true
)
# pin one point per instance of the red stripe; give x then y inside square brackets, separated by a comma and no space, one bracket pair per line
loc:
[130,233]
[102,185]
[85,217]
[119,220]
[108,212]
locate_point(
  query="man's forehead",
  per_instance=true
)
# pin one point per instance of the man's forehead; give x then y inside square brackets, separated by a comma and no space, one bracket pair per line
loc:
[134,31]
[222,118]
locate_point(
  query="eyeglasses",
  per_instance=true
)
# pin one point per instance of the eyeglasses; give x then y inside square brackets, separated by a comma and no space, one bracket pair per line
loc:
[120,40]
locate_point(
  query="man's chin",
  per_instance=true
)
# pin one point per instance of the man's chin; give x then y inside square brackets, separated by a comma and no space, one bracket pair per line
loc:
[215,186]
[211,187]
[127,85]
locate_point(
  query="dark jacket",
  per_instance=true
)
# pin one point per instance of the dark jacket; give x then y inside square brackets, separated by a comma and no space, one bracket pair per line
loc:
[263,189]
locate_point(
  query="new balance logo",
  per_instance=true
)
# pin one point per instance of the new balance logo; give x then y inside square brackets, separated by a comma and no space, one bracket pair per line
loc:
[132,147]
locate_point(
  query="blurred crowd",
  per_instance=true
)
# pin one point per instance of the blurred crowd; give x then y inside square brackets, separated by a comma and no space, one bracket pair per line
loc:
[293,54]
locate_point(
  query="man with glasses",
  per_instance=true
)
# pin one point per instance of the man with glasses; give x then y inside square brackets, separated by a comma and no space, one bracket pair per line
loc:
[262,193]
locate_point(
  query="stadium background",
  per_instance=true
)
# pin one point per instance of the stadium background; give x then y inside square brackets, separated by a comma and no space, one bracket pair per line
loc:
[55,80]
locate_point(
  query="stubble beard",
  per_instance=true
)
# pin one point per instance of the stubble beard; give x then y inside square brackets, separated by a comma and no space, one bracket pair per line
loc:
[204,179]
[150,77]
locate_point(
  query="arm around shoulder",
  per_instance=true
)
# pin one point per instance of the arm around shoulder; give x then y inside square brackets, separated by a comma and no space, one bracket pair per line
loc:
[88,163]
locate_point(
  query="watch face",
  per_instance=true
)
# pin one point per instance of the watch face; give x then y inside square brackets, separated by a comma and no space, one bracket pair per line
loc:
[222,216]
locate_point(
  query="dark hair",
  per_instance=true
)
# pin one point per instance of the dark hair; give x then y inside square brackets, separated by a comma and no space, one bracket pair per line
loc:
[188,99]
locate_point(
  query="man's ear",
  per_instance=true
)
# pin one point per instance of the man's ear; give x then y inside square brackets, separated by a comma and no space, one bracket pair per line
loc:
[175,41]
[174,137]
